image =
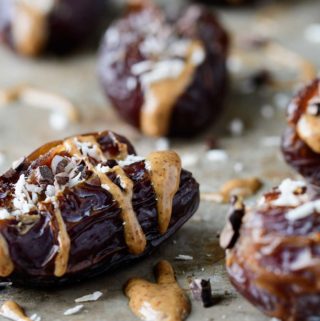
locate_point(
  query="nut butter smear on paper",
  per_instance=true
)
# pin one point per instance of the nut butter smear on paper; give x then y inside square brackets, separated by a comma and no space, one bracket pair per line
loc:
[13,311]
[161,301]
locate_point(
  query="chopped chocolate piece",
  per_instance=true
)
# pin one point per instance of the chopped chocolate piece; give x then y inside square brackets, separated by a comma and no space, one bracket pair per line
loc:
[260,78]
[201,291]
[44,175]
[59,164]
[62,180]
[206,294]
[231,231]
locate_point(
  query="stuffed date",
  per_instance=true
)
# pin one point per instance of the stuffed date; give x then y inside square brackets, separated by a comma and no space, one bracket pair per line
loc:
[79,207]
[165,75]
[273,252]
[31,27]
[301,140]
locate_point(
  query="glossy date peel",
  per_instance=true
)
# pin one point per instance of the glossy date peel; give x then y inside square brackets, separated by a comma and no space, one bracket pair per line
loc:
[77,208]
[301,140]
[167,79]
[273,252]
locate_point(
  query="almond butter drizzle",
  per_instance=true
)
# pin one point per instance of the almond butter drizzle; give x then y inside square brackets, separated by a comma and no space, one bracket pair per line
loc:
[29,28]
[134,236]
[161,96]
[13,311]
[308,129]
[6,264]
[165,169]
[164,300]
[62,258]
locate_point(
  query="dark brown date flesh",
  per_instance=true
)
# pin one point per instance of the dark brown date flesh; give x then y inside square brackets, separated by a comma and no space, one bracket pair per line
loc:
[296,151]
[262,265]
[201,102]
[70,25]
[92,219]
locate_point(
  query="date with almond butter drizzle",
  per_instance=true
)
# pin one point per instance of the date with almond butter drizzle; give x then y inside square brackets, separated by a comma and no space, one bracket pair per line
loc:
[91,203]
[164,300]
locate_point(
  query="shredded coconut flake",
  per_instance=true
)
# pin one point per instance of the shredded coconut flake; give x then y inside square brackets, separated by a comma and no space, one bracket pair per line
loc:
[89,297]
[35,317]
[217,155]
[74,310]
[236,127]
[162,144]
[130,159]
[303,211]
[161,70]
[303,260]
[102,169]
[271,141]
[58,121]
[287,196]
[141,67]
[4,214]
[189,160]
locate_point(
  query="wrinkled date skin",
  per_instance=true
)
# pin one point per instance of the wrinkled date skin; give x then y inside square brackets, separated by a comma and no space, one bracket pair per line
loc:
[70,24]
[201,102]
[92,219]
[269,264]
[296,151]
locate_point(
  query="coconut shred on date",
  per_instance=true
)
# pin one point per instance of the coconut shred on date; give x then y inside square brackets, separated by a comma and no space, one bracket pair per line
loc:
[167,77]
[273,252]
[301,140]
[85,205]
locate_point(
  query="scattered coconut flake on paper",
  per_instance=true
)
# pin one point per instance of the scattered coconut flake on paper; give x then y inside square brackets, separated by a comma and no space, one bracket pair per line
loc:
[89,297]
[236,127]
[162,144]
[312,33]
[271,141]
[74,310]
[35,317]
[189,160]
[217,155]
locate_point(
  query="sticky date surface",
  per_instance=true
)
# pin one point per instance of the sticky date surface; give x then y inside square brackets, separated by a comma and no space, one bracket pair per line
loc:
[270,264]
[92,218]
[201,102]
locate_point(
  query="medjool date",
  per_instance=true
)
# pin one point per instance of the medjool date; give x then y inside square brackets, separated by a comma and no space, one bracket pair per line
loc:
[301,140]
[165,76]
[275,262]
[85,205]
[33,26]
